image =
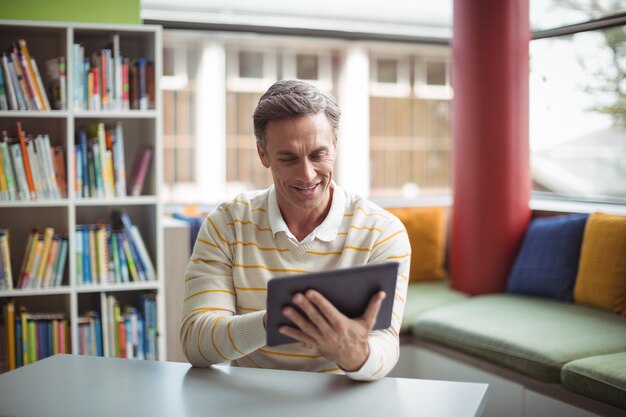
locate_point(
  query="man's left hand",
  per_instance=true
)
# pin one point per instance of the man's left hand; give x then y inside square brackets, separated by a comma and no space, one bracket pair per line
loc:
[340,339]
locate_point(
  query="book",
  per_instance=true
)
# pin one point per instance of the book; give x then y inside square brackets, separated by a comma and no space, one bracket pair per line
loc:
[140,170]
[25,160]
[10,330]
[8,167]
[45,253]
[23,192]
[9,83]
[119,160]
[56,74]
[59,267]
[58,157]
[4,102]
[31,69]
[5,255]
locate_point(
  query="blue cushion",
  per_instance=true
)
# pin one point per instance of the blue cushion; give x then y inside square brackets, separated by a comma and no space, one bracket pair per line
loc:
[547,262]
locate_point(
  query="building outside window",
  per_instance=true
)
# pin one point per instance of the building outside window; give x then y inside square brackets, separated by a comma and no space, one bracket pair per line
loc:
[407,149]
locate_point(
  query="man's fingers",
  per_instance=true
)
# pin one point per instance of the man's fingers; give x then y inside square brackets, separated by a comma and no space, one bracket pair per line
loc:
[371,313]
[330,313]
[302,323]
[297,334]
[312,313]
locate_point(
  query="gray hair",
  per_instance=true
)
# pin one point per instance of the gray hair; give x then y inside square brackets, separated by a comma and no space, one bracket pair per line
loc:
[292,98]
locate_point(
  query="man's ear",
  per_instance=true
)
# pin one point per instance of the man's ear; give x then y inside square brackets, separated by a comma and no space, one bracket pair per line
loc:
[263,156]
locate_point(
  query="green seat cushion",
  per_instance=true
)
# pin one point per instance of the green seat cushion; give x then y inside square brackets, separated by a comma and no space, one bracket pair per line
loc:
[533,336]
[600,377]
[426,295]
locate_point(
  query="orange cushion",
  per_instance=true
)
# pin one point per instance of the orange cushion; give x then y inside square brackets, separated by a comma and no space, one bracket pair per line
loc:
[426,229]
[601,279]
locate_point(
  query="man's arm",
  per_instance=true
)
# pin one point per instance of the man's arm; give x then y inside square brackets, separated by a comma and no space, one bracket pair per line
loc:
[364,354]
[211,332]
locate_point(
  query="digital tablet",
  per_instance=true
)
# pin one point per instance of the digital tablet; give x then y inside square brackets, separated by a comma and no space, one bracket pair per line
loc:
[348,289]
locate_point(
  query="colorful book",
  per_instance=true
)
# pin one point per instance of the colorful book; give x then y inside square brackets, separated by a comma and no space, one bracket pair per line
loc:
[5,255]
[140,170]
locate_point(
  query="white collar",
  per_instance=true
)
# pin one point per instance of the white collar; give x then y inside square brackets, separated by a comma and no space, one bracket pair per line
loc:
[326,231]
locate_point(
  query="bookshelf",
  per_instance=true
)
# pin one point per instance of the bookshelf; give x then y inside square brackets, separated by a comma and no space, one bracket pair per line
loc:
[141,128]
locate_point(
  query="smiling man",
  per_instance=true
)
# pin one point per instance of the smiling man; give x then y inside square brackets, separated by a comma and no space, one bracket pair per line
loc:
[304,223]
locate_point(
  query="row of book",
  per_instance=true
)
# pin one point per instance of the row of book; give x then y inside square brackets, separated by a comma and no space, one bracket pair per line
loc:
[100,163]
[44,261]
[31,168]
[127,332]
[21,87]
[28,337]
[106,80]
[112,253]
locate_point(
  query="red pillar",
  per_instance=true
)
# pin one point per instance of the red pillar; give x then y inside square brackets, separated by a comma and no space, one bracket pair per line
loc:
[490,132]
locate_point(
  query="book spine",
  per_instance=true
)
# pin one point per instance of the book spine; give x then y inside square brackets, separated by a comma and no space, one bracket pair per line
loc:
[93,255]
[33,159]
[87,276]
[8,170]
[47,243]
[80,271]
[4,102]
[140,170]
[25,159]
[18,85]
[124,265]
[4,189]
[23,193]
[40,87]
[9,83]
[59,170]
[119,158]
[5,253]
[48,280]
[31,68]
[62,260]
[51,177]
[125,84]
[10,328]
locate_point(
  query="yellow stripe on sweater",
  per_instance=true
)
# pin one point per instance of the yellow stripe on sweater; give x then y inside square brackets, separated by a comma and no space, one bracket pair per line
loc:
[292,355]
[267,268]
[240,242]
[406,255]
[206,242]
[198,341]
[245,203]
[208,291]
[366,213]
[329,370]
[258,227]
[213,338]
[232,342]
[389,237]
[250,289]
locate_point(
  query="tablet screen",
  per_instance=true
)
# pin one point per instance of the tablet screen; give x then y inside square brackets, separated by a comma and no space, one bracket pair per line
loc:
[348,289]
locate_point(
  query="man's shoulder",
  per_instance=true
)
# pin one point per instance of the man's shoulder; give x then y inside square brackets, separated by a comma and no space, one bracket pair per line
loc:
[360,208]
[250,201]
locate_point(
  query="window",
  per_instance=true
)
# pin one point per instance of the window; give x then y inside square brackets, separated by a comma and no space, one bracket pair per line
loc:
[410,136]
[578,114]
[209,101]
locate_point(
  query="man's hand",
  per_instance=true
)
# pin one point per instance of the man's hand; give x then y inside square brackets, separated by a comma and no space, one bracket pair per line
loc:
[338,338]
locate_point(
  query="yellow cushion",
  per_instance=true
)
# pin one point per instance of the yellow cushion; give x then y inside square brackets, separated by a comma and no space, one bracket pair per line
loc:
[601,279]
[426,228]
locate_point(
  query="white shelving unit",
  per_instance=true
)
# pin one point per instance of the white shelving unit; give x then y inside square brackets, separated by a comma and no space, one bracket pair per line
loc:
[141,127]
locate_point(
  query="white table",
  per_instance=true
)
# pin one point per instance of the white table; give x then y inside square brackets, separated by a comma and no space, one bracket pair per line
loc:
[71,385]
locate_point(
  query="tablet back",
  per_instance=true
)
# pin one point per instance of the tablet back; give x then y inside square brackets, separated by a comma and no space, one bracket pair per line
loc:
[348,289]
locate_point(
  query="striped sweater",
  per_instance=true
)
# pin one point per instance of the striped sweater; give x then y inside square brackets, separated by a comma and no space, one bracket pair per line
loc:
[236,254]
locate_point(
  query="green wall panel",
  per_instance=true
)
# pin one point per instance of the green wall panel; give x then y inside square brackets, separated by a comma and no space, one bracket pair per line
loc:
[100,11]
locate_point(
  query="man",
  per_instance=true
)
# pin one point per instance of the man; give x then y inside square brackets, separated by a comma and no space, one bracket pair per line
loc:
[304,223]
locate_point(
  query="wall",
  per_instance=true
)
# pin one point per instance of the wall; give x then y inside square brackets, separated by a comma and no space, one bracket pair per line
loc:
[110,11]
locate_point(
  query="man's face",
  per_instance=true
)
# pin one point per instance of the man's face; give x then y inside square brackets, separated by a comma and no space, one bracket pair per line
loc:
[300,152]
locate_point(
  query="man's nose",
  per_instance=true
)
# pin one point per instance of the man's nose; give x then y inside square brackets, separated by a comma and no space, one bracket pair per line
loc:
[307,170]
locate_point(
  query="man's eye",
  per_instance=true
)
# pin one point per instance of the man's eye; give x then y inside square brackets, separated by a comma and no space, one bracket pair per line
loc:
[287,160]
